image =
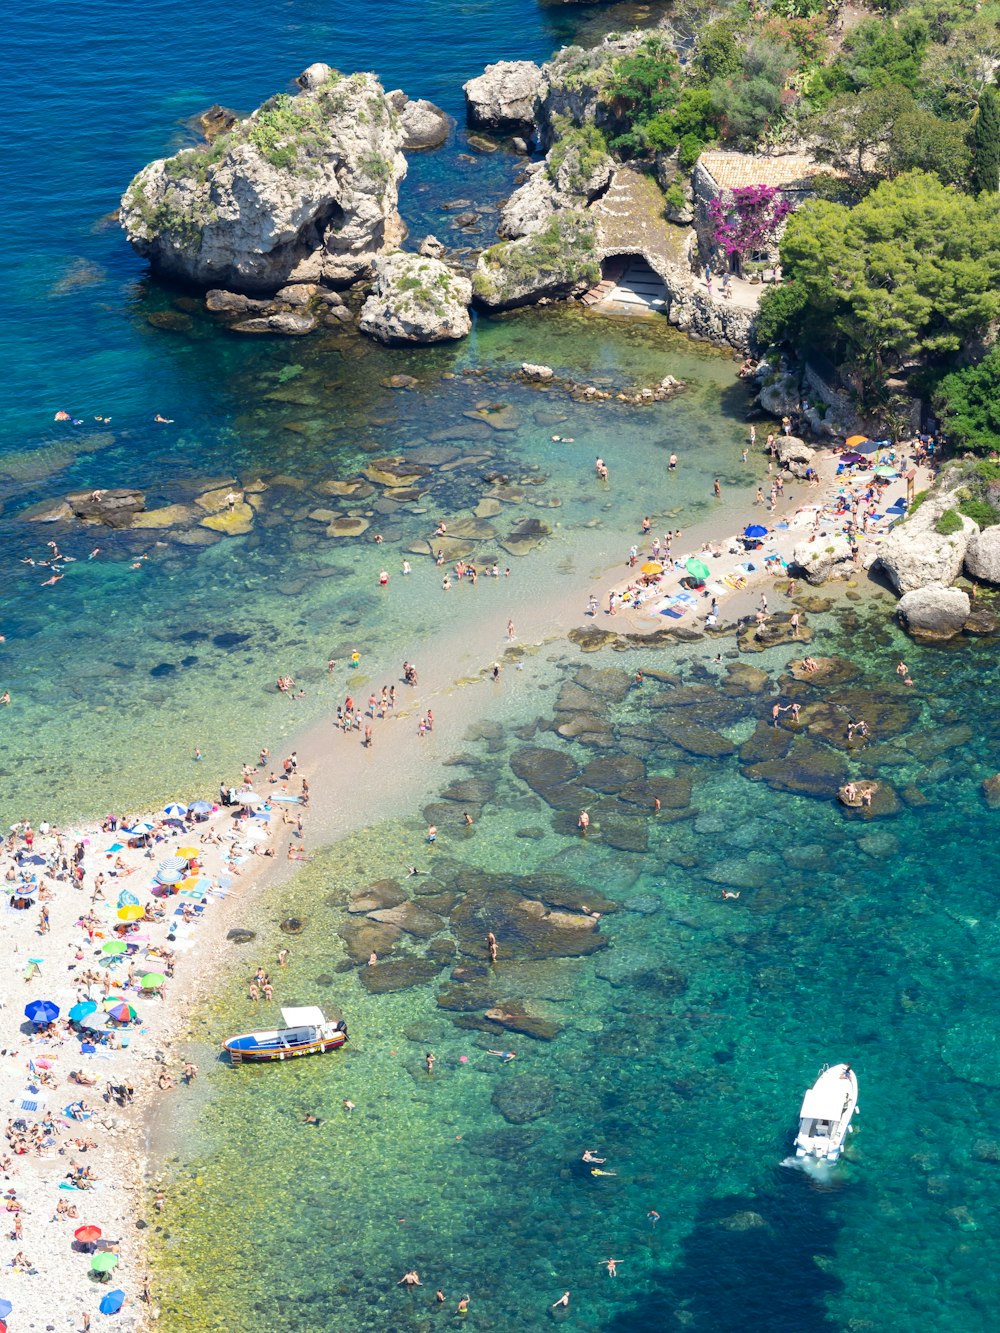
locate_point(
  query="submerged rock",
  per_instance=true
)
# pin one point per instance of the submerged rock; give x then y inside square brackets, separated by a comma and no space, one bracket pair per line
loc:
[524,1097]
[398,974]
[808,769]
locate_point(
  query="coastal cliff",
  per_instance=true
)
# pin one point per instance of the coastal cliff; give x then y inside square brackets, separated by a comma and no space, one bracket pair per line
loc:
[303,190]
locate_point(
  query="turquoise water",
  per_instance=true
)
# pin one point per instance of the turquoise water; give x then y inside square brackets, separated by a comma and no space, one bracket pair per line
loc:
[682,1050]
[679,1051]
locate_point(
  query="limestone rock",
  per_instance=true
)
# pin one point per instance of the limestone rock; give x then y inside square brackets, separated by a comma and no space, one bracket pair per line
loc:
[794,454]
[114,508]
[416,299]
[410,918]
[982,556]
[823,558]
[233,522]
[915,555]
[934,612]
[169,516]
[285,322]
[431,247]
[533,372]
[557,261]
[305,189]
[398,974]
[374,897]
[424,124]
[348,527]
[504,98]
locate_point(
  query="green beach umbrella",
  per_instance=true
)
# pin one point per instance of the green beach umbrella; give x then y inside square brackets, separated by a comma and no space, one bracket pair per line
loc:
[152,981]
[103,1263]
[114,948]
[698,570]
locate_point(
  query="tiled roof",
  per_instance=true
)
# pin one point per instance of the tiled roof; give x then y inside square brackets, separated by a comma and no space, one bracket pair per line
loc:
[733,170]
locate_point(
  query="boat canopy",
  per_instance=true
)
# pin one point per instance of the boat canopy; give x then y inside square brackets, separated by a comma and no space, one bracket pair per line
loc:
[824,1102]
[310,1016]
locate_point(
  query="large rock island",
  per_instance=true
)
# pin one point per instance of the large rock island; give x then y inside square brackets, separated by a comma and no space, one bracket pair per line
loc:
[303,190]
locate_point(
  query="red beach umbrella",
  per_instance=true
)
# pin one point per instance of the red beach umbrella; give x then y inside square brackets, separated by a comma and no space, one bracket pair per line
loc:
[86,1235]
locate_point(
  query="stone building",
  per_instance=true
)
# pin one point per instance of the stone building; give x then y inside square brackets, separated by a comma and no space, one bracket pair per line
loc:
[718,172]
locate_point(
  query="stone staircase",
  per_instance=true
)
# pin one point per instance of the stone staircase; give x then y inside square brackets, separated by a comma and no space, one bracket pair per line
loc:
[638,291]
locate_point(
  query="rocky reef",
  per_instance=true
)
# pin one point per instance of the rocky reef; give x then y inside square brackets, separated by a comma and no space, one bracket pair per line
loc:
[303,190]
[416,299]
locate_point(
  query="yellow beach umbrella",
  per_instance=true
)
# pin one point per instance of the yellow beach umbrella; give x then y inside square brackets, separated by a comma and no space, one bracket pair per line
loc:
[854,440]
[652,567]
[188,852]
[131,912]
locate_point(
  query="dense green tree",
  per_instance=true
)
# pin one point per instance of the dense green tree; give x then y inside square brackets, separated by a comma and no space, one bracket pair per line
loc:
[750,102]
[717,52]
[968,402]
[986,144]
[958,70]
[878,53]
[913,269]
[884,132]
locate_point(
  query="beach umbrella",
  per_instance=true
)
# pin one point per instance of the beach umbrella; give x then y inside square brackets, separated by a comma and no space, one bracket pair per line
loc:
[853,440]
[82,1010]
[5,1309]
[25,891]
[175,809]
[248,798]
[112,1302]
[188,853]
[133,912]
[86,1235]
[140,829]
[698,570]
[114,948]
[127,899]
[853,458]
[755,530]
[95,1023]
[41,1011]
[169,875]
[886,470]
[652,567]
[122,1013]
[152,981]
[200,808]
[103,1263]
[173,863]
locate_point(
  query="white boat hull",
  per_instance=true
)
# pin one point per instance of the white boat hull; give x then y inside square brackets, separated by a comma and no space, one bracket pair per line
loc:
[827,1110]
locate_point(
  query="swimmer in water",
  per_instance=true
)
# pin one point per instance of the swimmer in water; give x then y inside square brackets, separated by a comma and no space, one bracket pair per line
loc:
[596,1171]
[588,1156]
[505,1056]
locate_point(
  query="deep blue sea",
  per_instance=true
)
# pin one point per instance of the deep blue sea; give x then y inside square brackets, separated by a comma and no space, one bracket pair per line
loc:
[680,1051]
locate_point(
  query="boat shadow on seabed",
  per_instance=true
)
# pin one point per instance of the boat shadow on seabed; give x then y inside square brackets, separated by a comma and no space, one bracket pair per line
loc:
[756,1262]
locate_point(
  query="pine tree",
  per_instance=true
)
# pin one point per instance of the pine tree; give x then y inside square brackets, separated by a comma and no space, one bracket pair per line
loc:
[986,144]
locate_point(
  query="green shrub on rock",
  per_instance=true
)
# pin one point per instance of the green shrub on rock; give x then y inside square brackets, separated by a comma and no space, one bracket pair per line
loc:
[949,523]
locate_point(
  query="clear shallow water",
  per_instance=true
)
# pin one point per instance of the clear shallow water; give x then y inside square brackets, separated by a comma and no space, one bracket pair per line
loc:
[683,1052]
[688,1069]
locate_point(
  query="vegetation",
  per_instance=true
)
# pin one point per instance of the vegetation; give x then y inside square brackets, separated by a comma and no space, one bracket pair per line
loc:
[562,256]
[949,523]
[576,155]
[986,144]
[911,271]
[968,402]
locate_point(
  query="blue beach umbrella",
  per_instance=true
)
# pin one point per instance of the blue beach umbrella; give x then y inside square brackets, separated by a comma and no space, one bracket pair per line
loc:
[41,1011]
[175,809]
[169,875]
[82,1010]
[112,1302]
[126,899]
[5,1309]
[200,808]
[755,530]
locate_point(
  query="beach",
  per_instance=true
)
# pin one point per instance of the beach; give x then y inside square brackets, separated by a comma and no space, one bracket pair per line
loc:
[68,962]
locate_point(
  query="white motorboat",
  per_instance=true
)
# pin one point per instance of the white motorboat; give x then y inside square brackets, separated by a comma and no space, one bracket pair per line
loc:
[827,1110]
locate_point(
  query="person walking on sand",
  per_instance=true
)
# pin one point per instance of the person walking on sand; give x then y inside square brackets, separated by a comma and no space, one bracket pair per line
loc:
[717,488]
[511,636]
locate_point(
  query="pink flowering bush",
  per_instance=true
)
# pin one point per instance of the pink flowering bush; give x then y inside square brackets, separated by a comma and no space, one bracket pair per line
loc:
[749,220]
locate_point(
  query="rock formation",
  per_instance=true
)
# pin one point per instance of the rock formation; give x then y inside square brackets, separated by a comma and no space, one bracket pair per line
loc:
[915,554]
[982,556]
[303,190]
[505,97]
[416,299]
[822,558]
[934,613]
[559,261]
[573,175]
[424,124]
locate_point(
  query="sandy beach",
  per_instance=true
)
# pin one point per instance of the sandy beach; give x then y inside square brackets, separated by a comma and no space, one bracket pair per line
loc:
[77,1101]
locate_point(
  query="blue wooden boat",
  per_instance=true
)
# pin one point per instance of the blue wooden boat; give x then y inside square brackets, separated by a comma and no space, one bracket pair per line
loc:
[307,1032]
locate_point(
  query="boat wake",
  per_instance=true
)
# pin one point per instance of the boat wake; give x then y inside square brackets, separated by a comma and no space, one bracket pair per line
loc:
[822,1173]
